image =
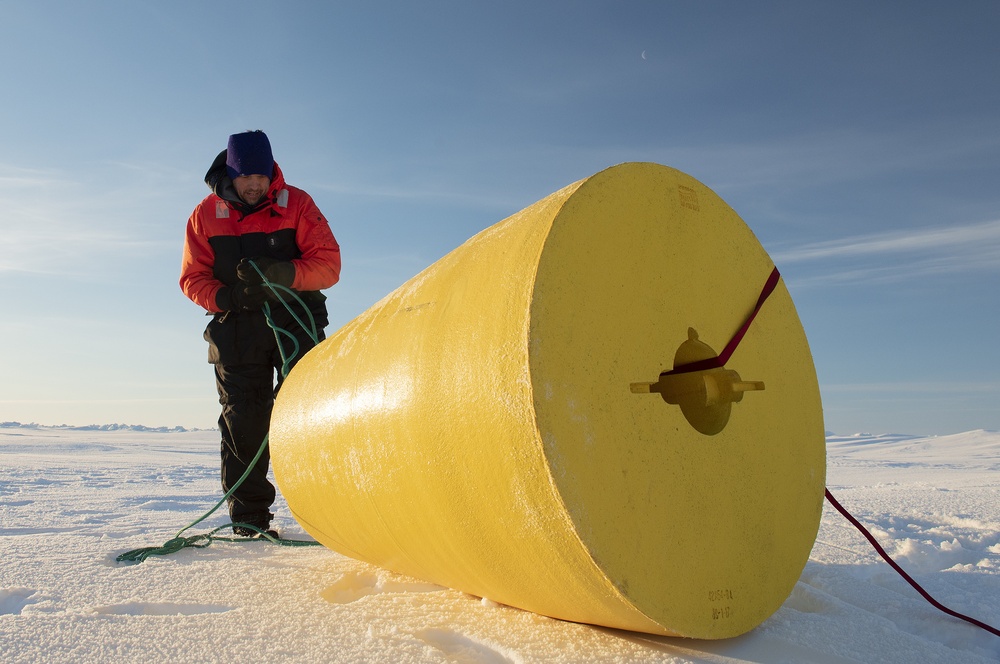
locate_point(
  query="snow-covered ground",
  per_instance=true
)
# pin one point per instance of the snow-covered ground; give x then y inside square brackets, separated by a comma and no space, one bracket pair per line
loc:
[72,500]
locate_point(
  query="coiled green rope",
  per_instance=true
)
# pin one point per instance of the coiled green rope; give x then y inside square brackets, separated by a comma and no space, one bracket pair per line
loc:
[200,541]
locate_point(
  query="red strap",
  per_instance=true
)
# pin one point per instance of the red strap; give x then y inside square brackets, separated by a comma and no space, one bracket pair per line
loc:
[727,352]
[720,361]
[885,556]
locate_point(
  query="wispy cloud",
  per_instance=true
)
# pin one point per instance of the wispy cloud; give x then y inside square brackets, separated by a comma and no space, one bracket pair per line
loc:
[56,224]
[953,240]
[899,254]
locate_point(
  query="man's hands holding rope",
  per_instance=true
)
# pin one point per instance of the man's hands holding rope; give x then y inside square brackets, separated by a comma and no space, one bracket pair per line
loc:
[250,293]
[275,271]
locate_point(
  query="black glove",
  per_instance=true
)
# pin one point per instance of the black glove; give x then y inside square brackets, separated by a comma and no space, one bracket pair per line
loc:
[277,272]
[241,298]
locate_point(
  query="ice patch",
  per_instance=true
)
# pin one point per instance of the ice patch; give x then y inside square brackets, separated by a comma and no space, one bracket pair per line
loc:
[355,585]
[13,600]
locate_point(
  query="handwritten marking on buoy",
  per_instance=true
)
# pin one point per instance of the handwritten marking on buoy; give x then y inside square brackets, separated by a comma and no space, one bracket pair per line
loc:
[688,198]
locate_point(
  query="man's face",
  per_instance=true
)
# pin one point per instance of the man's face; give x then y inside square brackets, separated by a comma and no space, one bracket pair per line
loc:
[251,188]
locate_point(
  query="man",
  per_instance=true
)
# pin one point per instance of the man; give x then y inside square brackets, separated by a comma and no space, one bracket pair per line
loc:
[252,214]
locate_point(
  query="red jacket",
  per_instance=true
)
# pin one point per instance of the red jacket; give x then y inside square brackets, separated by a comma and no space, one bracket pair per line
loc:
[287,226]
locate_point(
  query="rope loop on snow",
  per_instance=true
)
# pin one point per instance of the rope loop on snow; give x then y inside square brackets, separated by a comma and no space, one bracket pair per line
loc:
[203,540]
[178,542]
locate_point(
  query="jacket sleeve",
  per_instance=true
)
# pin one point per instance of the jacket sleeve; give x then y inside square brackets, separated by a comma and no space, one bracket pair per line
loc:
[197,280]
[319,266]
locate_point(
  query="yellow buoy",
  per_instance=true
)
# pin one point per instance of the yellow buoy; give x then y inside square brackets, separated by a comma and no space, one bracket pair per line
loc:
[525,420]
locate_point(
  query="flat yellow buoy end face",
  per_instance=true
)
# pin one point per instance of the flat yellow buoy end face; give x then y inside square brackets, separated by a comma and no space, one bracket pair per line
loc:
[699,494]
[517,420]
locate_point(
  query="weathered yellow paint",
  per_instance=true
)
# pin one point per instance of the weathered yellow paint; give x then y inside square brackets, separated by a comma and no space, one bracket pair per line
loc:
[479,427]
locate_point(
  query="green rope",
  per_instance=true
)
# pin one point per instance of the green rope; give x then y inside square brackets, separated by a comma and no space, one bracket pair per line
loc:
[178,542]
[203,540]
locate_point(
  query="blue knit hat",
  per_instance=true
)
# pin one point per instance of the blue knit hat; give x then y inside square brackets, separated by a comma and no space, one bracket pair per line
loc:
[249,153]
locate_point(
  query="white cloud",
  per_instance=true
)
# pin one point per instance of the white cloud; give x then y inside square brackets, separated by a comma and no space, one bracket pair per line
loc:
[961,240]
[899,254]
[57,224]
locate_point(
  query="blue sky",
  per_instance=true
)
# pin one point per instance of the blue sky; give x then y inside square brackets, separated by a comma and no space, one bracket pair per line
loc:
[860,141]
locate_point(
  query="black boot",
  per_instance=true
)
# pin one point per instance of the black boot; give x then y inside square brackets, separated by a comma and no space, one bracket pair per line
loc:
[261,522]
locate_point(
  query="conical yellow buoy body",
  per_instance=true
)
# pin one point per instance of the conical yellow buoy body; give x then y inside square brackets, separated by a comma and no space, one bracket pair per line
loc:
[499,424]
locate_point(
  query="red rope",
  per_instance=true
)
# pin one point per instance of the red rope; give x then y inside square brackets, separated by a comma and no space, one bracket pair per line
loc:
[902,573]
[727,352]
[720,361]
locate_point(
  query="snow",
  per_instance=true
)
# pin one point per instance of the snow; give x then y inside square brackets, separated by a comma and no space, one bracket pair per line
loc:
[73,499]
